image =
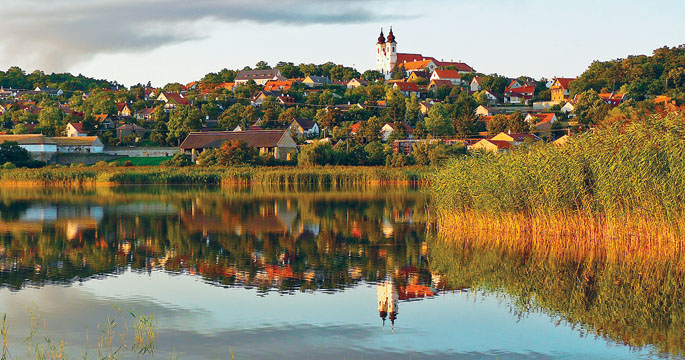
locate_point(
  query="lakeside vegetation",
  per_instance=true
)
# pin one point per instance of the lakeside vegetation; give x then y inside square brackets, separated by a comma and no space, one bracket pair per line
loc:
[632,164]
[327,175]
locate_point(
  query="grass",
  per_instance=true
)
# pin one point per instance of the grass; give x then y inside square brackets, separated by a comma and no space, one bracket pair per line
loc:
[329,175]
[142,161]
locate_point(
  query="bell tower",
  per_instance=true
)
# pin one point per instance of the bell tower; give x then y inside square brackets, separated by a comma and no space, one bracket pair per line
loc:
[380,53]
[391,52]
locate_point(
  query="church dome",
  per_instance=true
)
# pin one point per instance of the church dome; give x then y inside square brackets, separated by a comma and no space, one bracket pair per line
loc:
[391,36]
[381,39]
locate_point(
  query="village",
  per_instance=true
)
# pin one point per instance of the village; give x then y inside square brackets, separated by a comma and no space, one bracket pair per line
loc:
[379,117]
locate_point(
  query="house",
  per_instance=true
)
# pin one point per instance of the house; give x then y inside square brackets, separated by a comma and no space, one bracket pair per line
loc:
[450,75]
[145,114]
[539,118]
[425,106]
[355,83]
[75,129]
[83,144]
[484,111]
[313,81]
[477,83]
[171,100]
[515,139]
[613,99]
[559,89]
[49,91]
[416,76]
[436,84]
[275,85]
[277,143]
[354,128]
[104,122]
[490,97]
[519,95]
[260,77]
[150,94]
[561,141]
[43,148]
[130,129]
[663,99]
[40,147]
[124,110]
[568,108]
[407,88]
[421,65]
[304,128]
[492,145]
[258,98]
[389,128]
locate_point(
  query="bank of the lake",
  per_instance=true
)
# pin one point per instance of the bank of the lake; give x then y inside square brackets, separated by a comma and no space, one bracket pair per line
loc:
[106,175]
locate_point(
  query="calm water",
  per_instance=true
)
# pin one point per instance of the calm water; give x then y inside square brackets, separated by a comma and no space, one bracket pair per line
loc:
[283,274]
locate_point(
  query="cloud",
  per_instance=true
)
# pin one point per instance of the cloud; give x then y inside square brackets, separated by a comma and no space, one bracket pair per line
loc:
[56,34]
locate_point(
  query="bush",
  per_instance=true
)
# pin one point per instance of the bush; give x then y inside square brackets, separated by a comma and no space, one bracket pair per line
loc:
[179,160]
[101,164]
[8,165]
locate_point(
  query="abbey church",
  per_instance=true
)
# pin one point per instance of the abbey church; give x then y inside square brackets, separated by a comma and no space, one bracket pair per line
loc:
[388,59]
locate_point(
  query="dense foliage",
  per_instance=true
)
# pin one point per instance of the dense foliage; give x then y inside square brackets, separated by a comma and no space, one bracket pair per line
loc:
[17,78]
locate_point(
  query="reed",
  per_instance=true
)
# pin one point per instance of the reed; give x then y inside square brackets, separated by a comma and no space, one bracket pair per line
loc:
[333,175]
[635,167]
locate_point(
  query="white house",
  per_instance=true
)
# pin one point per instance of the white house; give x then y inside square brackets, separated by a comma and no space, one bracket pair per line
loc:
[40,147]
[568,108]
[476,84]
[388,129]
[75,129]
[82,144]
[304,127]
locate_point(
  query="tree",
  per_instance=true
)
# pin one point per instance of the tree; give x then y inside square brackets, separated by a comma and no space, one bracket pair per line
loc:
[370,130]
[498,124]
[183,120]
[412,109]
[329,117]
[372,75]
[262,65]
[236,152]
[10,151]
[467,124]
[50,121]
[590,108]
[375,153]
[438,122]
[516,123]
[231,117]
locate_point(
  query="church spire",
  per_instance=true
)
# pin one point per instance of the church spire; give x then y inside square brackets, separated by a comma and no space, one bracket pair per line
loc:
[391,36]
[381,39]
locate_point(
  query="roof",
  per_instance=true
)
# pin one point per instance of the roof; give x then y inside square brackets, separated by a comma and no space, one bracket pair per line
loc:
[406,126]
[447,74]
[317,79]
[278,85]
[132,127]
[438,83]
[543,117]
[501,144]
[306,124]
[478,79]
[354,128]
[406,86]
[521,90]
[460,66]
[27,139]
[121,106]
[214,139]
[101,117]
[564,82]
[407,57]
[246,75]
[146,111]
[75,141]
[78,126]
[520,137]
[420,74]
[415,65]
[175,98]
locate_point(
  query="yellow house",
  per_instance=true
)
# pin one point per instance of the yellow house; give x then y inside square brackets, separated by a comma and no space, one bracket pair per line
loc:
[559,89]
[515,139]
[491,145]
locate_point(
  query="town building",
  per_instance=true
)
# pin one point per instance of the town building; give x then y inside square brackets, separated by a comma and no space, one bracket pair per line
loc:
[560,89]
[260,77]
[277,143]
[304,128]
[75,129]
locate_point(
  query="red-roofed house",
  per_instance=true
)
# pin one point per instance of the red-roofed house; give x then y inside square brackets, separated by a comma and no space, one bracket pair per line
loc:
[491,145]
[612,99]
[407,88]
[450,75]
[515,139]
[123,109]
[421,65]
[75,129]
[519,95]
[171,100]
[275,85]
[559,89]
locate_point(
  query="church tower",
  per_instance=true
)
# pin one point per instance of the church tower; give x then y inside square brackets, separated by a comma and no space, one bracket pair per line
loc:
[386,54]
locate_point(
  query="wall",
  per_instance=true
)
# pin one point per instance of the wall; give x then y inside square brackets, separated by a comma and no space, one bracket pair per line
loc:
[142,152]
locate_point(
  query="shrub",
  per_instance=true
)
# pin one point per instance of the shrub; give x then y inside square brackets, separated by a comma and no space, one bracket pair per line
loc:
[8,165]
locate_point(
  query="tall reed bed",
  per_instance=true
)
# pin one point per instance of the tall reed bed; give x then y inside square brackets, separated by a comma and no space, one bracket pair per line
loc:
[636,167]
[334,175]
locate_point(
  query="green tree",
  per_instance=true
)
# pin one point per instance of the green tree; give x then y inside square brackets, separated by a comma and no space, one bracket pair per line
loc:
[184,119]
[590,108]
[370,130]
[438,122]
[412,110]
[50,121]
[10,151]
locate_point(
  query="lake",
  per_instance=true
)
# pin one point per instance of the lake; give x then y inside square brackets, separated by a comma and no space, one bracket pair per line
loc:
[297,273]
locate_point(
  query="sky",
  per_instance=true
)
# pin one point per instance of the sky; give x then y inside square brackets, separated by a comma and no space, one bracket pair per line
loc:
[163,41]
